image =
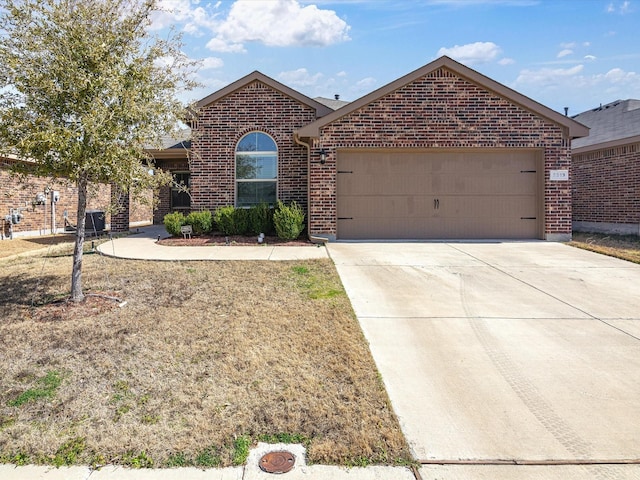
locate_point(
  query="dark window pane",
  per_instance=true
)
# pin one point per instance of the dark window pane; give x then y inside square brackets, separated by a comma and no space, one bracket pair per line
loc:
[180,199]
[267,167]
[250,166]
[253,193]
[245,166]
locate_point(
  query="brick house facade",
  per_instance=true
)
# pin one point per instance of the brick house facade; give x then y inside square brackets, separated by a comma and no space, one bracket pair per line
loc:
[441,114]
[253,104]
[39,219]
[606,170]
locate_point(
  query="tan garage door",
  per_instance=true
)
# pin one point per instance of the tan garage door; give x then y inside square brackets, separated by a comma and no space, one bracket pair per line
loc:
[433,194]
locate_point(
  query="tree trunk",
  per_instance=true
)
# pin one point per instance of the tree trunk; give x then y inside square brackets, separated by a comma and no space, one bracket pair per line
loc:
[76,273]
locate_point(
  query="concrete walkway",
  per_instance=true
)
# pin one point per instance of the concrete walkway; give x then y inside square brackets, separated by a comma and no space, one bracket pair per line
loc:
[503,353]
[250,471]
[142,245]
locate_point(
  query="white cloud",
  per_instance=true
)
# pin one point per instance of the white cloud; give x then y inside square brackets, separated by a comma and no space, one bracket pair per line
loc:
[341,74]
[472,53]
[614,82]
[363,86]
[210,63]
[590,58]
[506,61]
[622,8]
[565,52]
[186,12]
[568,45]
[299,78]
[546,77]
[219,45]
[619,76]
[367,82]
[278,23]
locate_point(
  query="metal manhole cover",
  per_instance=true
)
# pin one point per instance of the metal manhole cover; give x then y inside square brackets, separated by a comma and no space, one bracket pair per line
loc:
[277,462]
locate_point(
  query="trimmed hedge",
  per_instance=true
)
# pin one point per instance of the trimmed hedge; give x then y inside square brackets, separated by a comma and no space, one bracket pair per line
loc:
[288,220]
[232,221]
[173,222]
[201,222]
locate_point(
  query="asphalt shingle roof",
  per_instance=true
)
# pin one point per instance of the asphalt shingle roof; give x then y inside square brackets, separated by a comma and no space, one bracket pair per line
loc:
[613,121]
[332,103]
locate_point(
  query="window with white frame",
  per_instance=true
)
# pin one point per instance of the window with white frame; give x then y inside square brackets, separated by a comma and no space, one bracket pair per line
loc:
[256,170]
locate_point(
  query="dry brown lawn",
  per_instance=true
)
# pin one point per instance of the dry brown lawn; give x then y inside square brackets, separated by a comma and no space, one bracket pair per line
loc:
[20,245]
[626,247]
[204,359]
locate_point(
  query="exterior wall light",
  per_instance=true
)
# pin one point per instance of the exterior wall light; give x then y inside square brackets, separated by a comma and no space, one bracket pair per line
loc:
[323,156]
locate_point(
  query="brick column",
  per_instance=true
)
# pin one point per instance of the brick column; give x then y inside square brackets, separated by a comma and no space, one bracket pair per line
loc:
[120,218]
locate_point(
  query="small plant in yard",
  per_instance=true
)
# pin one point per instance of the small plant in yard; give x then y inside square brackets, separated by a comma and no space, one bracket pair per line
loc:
[241,449]
[288,220]
[46,388]
[140,460]
[231,220]
[201,222]
[69,452]
[284,438]
[315,286]
[173,222]
[177,460]
[208,458]
[261,219]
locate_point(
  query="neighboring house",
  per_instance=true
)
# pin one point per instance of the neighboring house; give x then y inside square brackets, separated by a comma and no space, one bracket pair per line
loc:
[441,153]
[606,170]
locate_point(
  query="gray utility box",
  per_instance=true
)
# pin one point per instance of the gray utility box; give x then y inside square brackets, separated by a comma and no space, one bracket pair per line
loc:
[94,222]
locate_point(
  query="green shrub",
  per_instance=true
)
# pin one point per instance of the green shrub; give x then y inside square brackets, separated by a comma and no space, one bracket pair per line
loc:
[261,219]
[232,220]
[173,222]
[288,220]
[201,222]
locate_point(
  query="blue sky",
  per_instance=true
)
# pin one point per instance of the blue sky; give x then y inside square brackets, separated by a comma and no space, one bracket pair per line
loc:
[561,53]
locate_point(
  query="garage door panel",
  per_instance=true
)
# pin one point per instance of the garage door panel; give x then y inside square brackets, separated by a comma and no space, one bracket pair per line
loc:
[485,206]
[434,194]
[387,206]
[357,183]
[392,228]
[498,183]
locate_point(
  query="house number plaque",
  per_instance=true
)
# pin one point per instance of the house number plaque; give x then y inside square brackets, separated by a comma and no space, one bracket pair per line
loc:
[558,175]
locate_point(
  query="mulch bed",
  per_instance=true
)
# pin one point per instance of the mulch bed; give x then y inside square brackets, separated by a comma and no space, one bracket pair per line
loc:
[237,240]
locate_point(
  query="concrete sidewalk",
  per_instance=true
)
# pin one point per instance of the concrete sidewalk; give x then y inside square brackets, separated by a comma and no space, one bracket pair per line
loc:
[250,471]
[142,244]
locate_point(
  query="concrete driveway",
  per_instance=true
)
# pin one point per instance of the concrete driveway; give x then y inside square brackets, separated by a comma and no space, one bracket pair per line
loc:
[516,352]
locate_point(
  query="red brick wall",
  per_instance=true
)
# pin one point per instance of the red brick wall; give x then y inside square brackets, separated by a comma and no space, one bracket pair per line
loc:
[220,125]
[17,194]
[606,185]
[441,110]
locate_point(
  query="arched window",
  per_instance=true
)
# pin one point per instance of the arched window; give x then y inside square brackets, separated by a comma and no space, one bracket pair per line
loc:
[256,170]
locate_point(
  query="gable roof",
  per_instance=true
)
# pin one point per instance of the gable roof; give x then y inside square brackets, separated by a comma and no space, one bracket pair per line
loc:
[320,109]
[613,124]
[575,129]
